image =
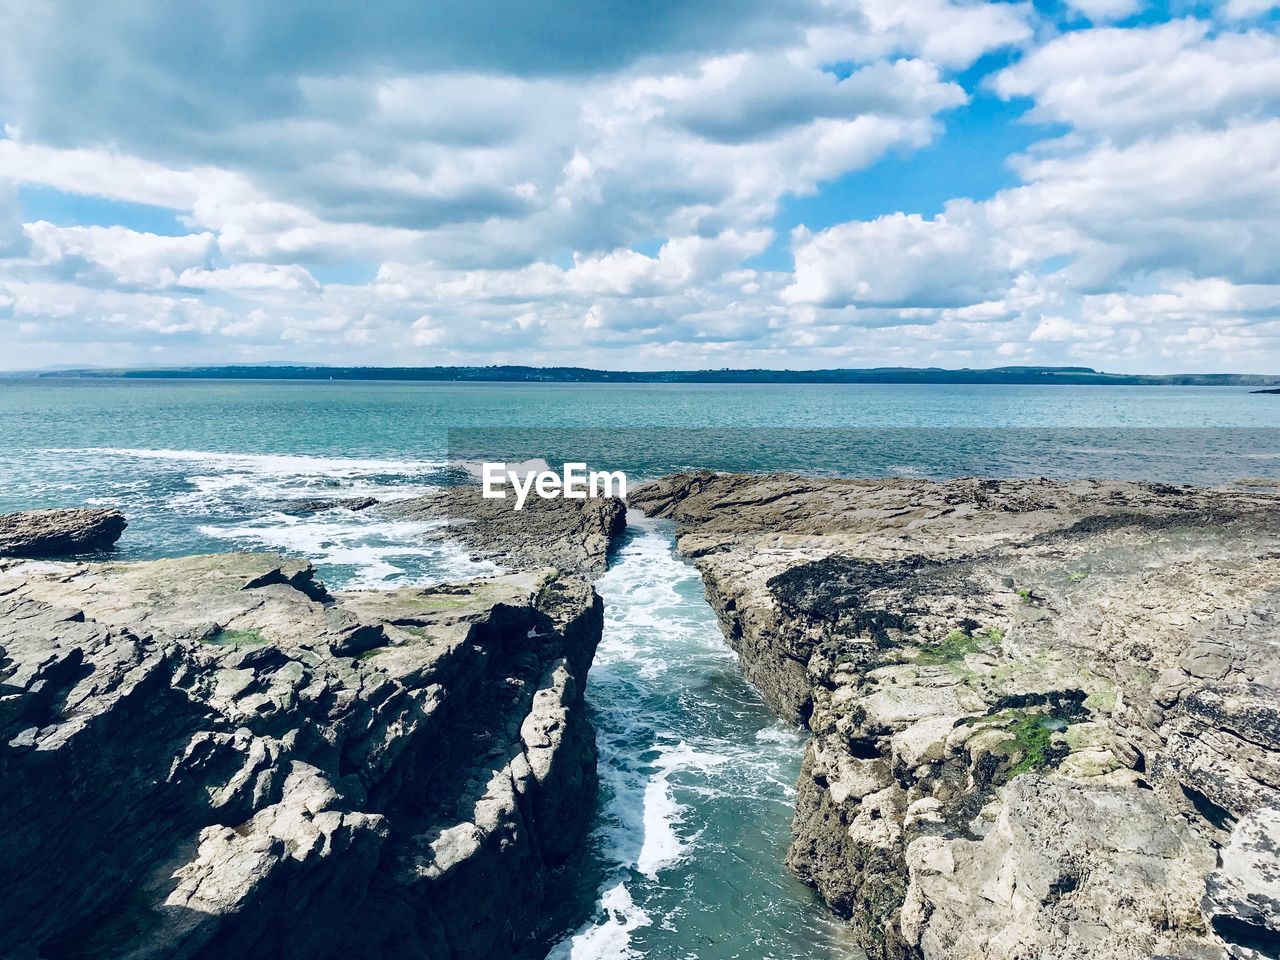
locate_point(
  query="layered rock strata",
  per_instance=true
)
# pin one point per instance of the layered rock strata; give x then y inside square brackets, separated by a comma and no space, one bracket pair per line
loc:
[571,535]
[214,757]
[57,533]
[1045,716]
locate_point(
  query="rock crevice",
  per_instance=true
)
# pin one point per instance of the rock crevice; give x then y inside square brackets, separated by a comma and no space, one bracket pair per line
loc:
[1039,710]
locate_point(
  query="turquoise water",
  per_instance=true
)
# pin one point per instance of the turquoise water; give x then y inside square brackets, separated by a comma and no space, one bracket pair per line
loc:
[686,857]
[196,465]
[696,783]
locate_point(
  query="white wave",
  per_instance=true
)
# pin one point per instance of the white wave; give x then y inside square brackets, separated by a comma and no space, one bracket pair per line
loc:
[293,487]
[780,733]
[610,939]
[220,482]
[663,845]
[377,550]
[270,463]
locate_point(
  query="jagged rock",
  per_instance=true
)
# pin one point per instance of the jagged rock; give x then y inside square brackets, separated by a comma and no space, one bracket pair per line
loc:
[1069,870]
[571,535]
[59,533]
[321,505]
[1242,903]
[1037,708]
[213,757]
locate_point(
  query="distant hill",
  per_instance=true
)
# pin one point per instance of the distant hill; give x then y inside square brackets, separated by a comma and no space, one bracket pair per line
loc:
[520,374]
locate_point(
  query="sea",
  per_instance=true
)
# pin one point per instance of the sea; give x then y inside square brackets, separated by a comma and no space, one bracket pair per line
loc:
[697,777]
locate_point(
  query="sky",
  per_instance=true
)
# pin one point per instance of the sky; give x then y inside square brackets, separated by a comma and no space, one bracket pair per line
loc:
[642,185]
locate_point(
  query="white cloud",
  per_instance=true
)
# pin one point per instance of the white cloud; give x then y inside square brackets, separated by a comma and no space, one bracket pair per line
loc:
[251,278]
[491,169]
[76,315]
[680,262]
[898,260]
[1247,9]
[940,31]
[551,205]
[1203,202]
[107,173]
[116,255]
[1136,82]
[1102,11]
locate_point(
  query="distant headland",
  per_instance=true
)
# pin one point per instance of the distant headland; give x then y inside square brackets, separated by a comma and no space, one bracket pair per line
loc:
[523,374]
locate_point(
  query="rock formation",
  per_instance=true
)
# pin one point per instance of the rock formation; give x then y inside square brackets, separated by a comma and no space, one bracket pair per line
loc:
[323,505]
[59,533]
[214,757]
[571,535]
[1045,716]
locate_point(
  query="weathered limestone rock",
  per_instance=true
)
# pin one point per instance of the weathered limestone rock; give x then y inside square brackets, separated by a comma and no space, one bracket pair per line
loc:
[322,505]
[1069,869]
[59,533]
[571,535]
[1242,903]
[213,757]
[1037,709]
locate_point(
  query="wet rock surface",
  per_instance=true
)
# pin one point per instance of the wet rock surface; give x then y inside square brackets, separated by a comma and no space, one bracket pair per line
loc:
[216,757]
[323,505]
[59,533]
[571,535]
[1044,715]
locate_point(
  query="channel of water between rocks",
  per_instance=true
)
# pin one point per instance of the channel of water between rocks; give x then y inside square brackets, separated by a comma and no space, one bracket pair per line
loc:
[697,783]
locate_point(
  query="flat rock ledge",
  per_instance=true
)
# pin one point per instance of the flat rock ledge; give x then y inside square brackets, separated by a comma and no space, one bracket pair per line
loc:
[215,757]
[59,533]
[574,536]
[1045,716]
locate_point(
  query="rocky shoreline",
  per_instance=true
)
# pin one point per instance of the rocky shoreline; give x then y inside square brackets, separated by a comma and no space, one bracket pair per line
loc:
[574,536]
[1044,722]
[1045,716]
[214,756]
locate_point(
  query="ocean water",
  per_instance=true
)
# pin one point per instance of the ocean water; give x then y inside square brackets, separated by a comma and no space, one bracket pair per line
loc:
[686,858]
[697,783]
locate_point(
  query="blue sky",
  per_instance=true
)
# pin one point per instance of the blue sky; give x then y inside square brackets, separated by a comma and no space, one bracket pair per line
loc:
[793,183]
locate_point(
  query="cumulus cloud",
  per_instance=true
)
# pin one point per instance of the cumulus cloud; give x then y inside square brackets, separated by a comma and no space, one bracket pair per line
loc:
[1168,179]
[523,194]
[939,31]
[108,173]
[116,255]
[494,169]
[899,261]
[1102,11]
[1247,9]
[1202,203]
[250,278]
[1131,83]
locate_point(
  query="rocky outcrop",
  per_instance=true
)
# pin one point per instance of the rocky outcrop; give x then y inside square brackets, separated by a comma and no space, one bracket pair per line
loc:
[1045,716]
[214,757]
[59,533]
[571,535]
[1243,897]
[323,505]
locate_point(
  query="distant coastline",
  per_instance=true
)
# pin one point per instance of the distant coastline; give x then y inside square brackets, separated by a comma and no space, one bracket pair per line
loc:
[523,374]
